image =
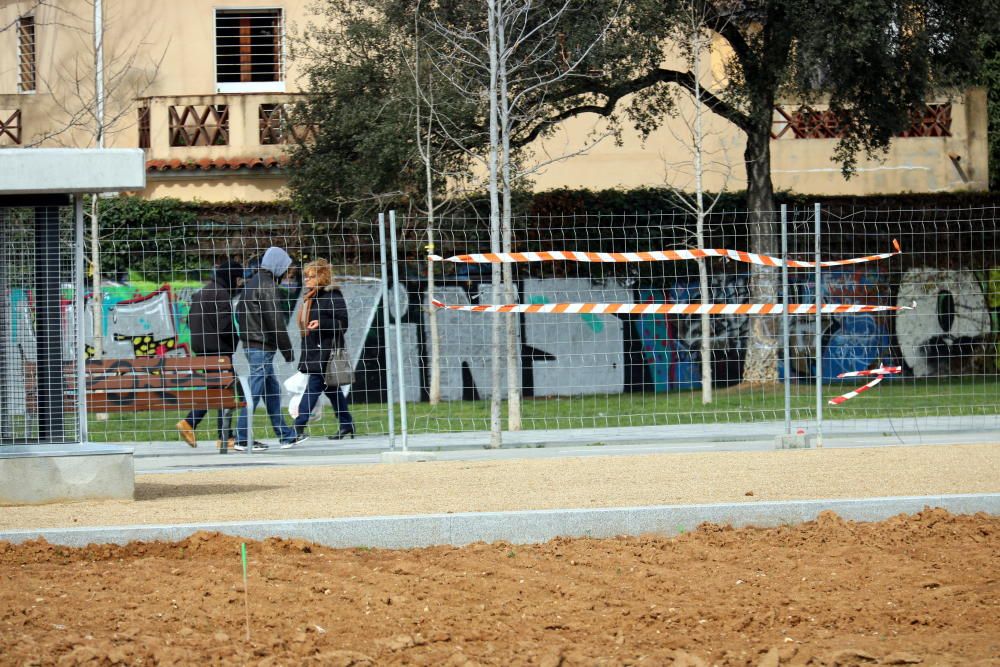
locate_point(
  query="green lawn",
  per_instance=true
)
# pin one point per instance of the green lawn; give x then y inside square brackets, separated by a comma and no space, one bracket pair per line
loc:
[904,397]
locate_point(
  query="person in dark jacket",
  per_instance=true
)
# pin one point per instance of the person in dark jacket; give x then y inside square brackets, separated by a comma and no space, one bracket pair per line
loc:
[323,323]
[263,323]
[213,333]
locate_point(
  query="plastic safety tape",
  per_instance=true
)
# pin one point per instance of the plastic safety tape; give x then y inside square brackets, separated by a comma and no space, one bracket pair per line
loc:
[881,370]
[851,394]
[651,256]
[668,308]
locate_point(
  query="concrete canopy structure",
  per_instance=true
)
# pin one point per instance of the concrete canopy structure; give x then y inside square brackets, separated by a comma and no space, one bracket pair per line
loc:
[34,467]
[67,171]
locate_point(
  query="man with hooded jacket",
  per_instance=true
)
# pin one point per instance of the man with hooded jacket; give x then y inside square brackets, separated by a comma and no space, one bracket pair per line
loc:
[263,324]
[213,333]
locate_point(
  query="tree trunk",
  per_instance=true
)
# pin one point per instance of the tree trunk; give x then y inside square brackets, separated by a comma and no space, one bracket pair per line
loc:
[496,359]
[511,319]
[761,364]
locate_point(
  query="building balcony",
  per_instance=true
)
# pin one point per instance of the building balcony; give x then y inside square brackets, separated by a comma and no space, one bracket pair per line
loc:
[10,126]
[216,129]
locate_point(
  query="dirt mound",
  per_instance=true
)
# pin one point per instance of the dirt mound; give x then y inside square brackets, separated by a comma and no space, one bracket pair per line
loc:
[920,589]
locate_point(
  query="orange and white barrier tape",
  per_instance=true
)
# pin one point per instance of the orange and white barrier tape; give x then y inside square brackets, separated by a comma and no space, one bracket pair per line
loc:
[881,370]
[668,308]
[651,256]
[851,394]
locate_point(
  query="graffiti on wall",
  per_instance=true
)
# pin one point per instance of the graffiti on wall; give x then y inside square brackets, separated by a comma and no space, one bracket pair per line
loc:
[950,328]
[851,342]
[671,344]
[144,325]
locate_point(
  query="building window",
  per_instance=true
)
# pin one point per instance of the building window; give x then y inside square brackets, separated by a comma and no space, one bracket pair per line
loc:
[143,127]
[248,50]
[26,54]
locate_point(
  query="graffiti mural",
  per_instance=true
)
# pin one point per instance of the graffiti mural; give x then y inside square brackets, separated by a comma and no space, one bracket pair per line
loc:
[953,330]
[851,342]
[671,344]
[948,331]
[575,355]
[142,326]
[465,347]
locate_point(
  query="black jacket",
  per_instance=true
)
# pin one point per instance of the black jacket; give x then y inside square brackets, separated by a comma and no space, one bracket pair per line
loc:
[330,309]
[211,321]
[262,318]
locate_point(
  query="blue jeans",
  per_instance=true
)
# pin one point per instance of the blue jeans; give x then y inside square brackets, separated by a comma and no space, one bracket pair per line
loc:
[263,384]
[314,389]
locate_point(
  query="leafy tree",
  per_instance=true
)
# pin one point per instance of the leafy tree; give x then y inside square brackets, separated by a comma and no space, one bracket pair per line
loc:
[870,61]
[153,237]
[990,78]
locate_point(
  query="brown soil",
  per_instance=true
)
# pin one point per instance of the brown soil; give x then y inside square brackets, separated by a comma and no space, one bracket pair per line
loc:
[922,589]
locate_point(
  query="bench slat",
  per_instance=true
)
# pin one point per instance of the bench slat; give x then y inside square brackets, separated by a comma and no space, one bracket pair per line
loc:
[149,384]
[136,382]
[148,401]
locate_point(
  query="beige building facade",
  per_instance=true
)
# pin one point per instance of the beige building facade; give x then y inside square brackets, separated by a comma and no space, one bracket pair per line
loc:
[203,86]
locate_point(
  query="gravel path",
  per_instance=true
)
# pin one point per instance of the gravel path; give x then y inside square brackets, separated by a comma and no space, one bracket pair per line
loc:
[598,481]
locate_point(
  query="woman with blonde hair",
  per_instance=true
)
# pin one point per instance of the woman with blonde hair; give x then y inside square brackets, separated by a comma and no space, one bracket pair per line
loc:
[323,323]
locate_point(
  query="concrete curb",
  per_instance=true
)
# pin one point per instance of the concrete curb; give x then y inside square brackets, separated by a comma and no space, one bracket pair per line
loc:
[524,527]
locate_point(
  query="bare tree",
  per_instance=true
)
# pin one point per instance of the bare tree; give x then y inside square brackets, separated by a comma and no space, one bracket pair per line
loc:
[686,178]
[94,96]
[510,64]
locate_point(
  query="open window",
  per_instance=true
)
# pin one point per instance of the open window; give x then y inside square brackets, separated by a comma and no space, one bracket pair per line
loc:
[249,50]
[27,69]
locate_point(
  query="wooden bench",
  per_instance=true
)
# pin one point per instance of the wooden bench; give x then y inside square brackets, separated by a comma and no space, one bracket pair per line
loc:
[149,384]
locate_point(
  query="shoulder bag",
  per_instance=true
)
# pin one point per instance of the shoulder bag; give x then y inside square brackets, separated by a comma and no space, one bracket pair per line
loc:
[338,369]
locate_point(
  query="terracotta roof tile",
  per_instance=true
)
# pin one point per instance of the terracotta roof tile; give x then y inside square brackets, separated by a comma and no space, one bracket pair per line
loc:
[207,164]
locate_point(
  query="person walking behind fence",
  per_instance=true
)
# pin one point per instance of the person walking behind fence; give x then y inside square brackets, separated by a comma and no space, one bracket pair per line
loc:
[323,322]
[263,327]
[213,333]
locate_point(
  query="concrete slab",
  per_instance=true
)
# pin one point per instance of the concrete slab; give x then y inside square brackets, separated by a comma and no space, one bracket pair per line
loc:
[39,474]
[406,457]
[794,441]
[525,527]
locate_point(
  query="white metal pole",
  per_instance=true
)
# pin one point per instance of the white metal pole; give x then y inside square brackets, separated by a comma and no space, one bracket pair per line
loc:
[385,333]
[819,334]
[79,287]
[250,407]
[399,327]
[786,320]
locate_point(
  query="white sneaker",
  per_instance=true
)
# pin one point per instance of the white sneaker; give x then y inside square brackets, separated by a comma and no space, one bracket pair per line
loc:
[257,446]
[302,437]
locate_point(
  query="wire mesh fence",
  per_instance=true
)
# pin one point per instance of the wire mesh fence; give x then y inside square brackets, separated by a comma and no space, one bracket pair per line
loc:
[639,354]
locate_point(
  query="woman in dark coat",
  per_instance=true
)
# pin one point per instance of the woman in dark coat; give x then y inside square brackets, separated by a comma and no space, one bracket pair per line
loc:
[323,323]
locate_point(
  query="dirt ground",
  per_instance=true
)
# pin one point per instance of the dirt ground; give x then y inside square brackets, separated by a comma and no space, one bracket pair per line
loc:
[912,590]
[921,590]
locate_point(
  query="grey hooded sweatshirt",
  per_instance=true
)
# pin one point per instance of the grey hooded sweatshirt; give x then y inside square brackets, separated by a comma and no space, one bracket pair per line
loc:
[262,319]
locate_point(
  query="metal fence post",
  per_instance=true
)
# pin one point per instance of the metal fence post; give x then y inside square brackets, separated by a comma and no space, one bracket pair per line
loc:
[385,333]
[78,304]
[819,332]
[399,335]
[785,319]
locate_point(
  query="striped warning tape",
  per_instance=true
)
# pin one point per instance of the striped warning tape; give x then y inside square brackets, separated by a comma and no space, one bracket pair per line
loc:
[851,394]
[881,370]
[669,308]
[651,256]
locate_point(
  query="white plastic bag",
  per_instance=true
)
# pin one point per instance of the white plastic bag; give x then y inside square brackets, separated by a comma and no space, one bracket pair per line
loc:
[296,386]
